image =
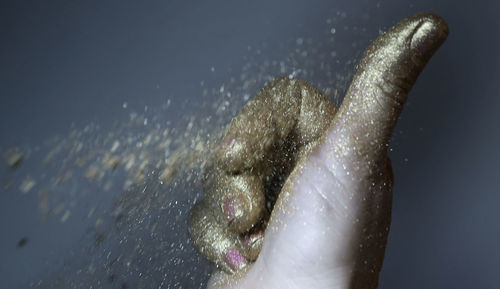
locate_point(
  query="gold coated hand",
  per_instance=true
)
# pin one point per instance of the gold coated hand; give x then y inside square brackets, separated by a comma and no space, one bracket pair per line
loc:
[321,173]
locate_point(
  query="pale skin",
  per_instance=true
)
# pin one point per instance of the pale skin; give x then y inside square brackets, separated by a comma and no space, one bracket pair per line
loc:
[329,167]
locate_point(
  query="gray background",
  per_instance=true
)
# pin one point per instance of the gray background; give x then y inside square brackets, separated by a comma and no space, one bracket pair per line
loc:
[64,62]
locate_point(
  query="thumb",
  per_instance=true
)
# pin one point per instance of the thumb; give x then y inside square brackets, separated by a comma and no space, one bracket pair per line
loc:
[329,227]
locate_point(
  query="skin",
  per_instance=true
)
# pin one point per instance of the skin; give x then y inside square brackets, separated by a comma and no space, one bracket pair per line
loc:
[327,167]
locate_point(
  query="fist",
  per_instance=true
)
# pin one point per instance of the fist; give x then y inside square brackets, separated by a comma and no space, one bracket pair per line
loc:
[303,189]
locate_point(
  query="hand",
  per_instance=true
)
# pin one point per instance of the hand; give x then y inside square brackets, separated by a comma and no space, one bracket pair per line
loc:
[328,169]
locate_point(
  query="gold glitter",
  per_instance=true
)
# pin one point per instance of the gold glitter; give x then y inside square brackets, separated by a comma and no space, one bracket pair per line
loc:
[269,139]
[260,148]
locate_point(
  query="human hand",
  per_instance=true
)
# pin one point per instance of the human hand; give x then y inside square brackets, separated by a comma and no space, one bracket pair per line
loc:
[329,226]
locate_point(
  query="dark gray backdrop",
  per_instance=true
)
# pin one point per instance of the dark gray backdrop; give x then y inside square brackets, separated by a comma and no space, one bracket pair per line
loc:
[78,61]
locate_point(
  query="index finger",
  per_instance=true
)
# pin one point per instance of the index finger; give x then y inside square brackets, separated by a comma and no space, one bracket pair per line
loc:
[284,106]
[386,74]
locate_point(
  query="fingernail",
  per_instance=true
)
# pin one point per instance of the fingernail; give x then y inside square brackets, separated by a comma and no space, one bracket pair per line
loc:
[235,260]
[253,245]
[229,140]
[232,208]
[253,238]
[429,35]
